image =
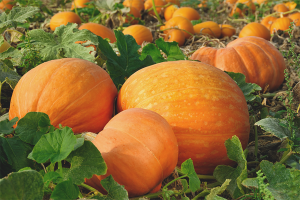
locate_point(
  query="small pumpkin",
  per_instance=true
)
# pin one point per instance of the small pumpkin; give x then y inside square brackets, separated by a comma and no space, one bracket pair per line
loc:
[70,91]
[181,23]
[203,4]
[135,12]
[227,30]
[291,5]
[7,4]
[282,23]
[281,8]
[139,32]
[200,102]
[260,1]
[138,4]
[268,21]
[255,57]
[140,150]
[255,29]
[169,11]
[295,17]
[99,30]
[63,18]
[209,27]
[175,35]
[187,12]
[159,6]
[79,4]
[250,7]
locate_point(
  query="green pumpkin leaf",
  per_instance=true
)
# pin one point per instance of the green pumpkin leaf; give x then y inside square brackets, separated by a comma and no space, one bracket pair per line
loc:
[85,162]
[187,168]
[195,22]
[65,190]
[32,126]
[123,66]
[62,42]
[8,75]
[217,191]
[55,146]
[27,184]
[51,177]
[151,49]
[238,174]
[13,54]
[247,88]
[6,126]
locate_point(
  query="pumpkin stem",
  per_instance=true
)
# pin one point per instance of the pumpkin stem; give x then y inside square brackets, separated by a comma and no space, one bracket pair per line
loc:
[156,13]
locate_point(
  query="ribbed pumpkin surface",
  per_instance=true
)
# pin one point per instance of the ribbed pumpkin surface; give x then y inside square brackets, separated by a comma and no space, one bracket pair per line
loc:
[255,29]
[255,57]
[73,92]
[203,105]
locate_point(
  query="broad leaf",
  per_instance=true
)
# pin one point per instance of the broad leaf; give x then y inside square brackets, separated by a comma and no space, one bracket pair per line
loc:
[217,190]
[247,88]
[51,177]
[65,190]
[32,126]
[55,146]
[123,66]
[8,75]
[17,15]
[14,55]
[62,42]
[238,174]
[27,184]
[6,126]
[187,168]
[85,162]
[151,49]
[106,5]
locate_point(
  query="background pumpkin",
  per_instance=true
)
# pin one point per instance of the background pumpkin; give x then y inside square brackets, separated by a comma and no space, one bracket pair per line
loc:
[63,18]
[181,23]
[227,30]
[295,17]
[79,4]
[255,29]
[187,12]
[138,4]
[140,150]
[250,8]
[209,27]
[135,12]
[203,105]
[282,23]
[281,8]
[268,21]
[99,30]
[158,4]
[139,32]
[6,4]
[70,91]
[169,11]
[174,2]
[175,35]
[255,57]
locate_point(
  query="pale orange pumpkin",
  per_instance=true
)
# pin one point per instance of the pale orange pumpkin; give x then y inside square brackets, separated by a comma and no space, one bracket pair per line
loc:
[136,13]
[70,91]
[175,35]
[295,17]
[99,30]
[227,30]
[291,5]
[138,4]
[282,23]
[252,56]
[268,21]
[209,27]
[169,11]
[139,32]
[158,3]
[203,105]
[255,29]
[79,4]
[140,150]
[281,8]
[181,23]
[63,18]
[187,12]
[250,8]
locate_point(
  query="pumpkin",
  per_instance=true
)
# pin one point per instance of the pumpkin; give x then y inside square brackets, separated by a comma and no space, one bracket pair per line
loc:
[139,32]
[79,4]
[280,24]
[138,4]
[250,6]
[281,8]
[4,46]
[99,30]
[295,17]
[268,21]
[203,4]
[175,35]
[231,2]
[136,13]
[7,4]
[140,150]
[174,2]
[255,29]
[203,105]
[255,57]
[181,23]
[168,14]
[187,12]
[70,91]
[260,1]
[209,27]
[227,30]
[291,5]
[159,6]
[63,18]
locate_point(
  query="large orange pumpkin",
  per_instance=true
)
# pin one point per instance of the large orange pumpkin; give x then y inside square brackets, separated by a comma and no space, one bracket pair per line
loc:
[181,23]
[255,57]
[209,27]
[255,29]
[140,150]
[203,105]
[187,12]
[73,92]
[99,30]
[63,18]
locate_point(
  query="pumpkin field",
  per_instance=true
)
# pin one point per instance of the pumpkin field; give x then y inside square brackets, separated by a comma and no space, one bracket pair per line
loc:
[149,99]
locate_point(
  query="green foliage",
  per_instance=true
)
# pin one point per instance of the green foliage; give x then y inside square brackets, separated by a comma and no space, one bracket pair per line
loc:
[65,190]
[187,168]
[195,22]
[6,126]
[218,190]
[122,66]
[8,75]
